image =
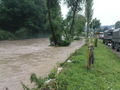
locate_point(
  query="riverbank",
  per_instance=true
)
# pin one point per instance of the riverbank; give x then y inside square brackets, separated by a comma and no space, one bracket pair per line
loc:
[104,74]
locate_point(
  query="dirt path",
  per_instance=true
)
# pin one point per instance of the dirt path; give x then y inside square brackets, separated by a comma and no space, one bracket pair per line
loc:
[19,59]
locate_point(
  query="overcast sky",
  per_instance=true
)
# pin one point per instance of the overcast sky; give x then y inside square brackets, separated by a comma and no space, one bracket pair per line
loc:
[108,11]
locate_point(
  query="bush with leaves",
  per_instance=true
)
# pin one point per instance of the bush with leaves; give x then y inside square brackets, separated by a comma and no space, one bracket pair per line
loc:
[5,35]
[39,82]
[15,14]
[22,33]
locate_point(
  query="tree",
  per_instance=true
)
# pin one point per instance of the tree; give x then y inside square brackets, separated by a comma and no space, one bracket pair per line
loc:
[55,21]
[79,24]
[16,14]
[96,26]
[88,13]
[75,6]
[117,24]
[37,24]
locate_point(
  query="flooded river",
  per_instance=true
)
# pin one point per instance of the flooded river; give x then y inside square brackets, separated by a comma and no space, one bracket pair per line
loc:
[20,58]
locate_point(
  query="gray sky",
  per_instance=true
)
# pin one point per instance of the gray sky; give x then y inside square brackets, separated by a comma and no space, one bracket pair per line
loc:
[105,10]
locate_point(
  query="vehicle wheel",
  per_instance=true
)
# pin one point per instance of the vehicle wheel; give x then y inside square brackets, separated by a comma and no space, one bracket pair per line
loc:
[117,50]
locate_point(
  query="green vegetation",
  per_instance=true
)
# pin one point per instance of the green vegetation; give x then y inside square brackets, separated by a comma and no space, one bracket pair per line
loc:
[64,28]
[32,18]
[74,7]
[5,35]
[88,14]
[104,74]
[24,17]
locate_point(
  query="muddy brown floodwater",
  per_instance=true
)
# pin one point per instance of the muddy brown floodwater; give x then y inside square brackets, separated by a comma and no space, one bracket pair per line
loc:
[20,58]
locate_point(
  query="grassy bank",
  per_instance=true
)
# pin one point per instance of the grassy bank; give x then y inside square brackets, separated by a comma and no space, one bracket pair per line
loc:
[104,74]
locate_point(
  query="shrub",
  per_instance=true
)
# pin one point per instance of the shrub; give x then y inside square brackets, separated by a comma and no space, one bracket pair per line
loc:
[60,42]
[77,38]
[5,35]
[64,43]
[22,33]
[39,82]
[52,75]
[95,42]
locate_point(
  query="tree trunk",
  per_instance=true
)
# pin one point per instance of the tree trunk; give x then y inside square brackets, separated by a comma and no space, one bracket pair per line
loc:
[90,56]
[74,13]
[96,42]
[51,25]
[87,29]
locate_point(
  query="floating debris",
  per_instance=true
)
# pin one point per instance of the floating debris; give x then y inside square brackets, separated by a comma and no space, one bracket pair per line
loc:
[59,70]
[69,61]
[48,81]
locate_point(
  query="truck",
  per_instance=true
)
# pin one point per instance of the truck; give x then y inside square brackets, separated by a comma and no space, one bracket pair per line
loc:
[116,39]
[108,36]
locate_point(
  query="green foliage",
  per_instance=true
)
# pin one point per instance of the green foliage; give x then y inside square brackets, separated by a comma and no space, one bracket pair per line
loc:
[22,33]
[71,4]
[52,75]
[117,25]
[28,18]
[96,42]
[74,7]
[75,76]
[12,14]
[88,14]
[77,38]
[62,83]
[60,42]
[38,81]
[55,21]
[64,43]
[89,10]
[102,76]
[95,24]
[5,35]
[79,24]
[15,14]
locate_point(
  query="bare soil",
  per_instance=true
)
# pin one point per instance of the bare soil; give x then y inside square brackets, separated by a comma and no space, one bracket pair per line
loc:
[20,58]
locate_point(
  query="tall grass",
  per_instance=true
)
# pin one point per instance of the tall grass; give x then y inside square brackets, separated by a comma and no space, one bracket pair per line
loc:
[104,75]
